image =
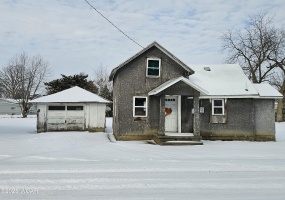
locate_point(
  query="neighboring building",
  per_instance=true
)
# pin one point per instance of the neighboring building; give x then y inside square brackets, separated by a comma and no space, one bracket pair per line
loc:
[9,107]
[74,109]
[155,94]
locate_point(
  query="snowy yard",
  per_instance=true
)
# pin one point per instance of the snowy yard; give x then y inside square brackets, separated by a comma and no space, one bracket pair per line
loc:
[82,165]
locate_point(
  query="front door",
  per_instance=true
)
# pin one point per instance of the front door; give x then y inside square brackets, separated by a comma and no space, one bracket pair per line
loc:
[171,114]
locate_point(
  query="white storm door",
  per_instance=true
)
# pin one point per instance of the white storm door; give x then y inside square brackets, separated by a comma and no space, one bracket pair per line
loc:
[171,114]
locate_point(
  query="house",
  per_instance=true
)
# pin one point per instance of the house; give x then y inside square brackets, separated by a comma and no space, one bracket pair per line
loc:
[155,96]
[73,109]
[9,107]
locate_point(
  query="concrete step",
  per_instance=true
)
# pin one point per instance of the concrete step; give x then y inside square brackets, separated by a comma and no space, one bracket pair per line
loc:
[177,140]
[181,143]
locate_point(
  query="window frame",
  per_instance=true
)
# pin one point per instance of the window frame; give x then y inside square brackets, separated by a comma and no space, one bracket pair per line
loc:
[144,106]
[222,106]
[159,67]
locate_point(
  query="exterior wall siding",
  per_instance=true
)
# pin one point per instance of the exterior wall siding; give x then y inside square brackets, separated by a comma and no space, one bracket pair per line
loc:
[41,118]
[95,120]
[264,119]
[239,124]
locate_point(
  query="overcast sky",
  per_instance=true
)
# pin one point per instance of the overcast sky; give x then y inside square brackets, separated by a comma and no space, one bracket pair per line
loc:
[74,38]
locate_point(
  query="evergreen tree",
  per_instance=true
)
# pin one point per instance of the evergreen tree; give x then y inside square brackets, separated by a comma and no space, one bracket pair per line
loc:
[66,82]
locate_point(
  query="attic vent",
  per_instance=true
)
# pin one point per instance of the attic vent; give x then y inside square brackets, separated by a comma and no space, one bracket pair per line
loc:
[207,69]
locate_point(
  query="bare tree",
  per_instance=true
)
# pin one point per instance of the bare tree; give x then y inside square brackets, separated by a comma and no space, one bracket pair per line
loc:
[23,78]
[260,50]
[102,80]
[105,86]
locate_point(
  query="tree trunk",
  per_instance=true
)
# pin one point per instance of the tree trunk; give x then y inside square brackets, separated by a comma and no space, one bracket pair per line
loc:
[25,109]
[279,112]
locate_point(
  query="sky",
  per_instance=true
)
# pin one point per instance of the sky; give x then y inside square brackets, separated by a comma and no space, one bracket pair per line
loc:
[74,38]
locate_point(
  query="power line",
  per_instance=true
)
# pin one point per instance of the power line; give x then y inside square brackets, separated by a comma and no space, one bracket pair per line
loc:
[113,24]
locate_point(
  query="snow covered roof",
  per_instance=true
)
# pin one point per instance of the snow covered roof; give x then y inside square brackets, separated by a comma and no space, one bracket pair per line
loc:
[267,91]
[13,101]
[222,81]
[72,95]
[175,59]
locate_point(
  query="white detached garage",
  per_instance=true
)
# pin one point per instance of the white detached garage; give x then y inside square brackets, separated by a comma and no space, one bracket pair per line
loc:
[74,109]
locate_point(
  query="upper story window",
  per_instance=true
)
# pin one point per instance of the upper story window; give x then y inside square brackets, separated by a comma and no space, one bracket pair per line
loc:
[153,67]
[218,107]
[140,106]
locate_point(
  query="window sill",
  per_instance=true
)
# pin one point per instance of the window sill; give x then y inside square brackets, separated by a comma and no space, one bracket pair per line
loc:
[138,119]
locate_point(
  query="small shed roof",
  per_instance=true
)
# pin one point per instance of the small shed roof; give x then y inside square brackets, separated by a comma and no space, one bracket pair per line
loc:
[71,95]
[154,44]
[267,91]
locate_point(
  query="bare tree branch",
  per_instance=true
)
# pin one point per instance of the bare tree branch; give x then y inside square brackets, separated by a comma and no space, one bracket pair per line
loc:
[23,78]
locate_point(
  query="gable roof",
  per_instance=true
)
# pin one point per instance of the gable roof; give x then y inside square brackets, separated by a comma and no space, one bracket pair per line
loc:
[71,95]
[171,82]
[267,91]
[154,44]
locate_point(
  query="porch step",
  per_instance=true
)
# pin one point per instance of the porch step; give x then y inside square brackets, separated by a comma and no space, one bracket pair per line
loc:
[181,143]
[177,140]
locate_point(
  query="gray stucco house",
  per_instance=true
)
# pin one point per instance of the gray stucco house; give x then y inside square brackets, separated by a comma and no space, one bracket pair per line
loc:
[157,96]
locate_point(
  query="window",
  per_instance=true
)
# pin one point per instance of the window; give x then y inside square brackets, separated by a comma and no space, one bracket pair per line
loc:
[140,106]
[74,107]
[153,67]
[56,107]
[218,107]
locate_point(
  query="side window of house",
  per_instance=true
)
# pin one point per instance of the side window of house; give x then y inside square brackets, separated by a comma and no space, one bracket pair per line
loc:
[153,67]
[140,106]
[218,107]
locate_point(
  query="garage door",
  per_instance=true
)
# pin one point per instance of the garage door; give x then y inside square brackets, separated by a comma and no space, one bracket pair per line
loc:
[65,118]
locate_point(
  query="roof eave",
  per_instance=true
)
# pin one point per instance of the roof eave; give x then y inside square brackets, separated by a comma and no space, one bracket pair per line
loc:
[239,97]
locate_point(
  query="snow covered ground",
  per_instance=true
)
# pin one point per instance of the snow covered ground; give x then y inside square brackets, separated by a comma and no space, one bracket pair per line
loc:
[82,165]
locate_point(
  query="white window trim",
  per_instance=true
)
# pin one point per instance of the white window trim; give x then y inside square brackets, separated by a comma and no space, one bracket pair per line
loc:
[145,106]
[159,67]
[222,106]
